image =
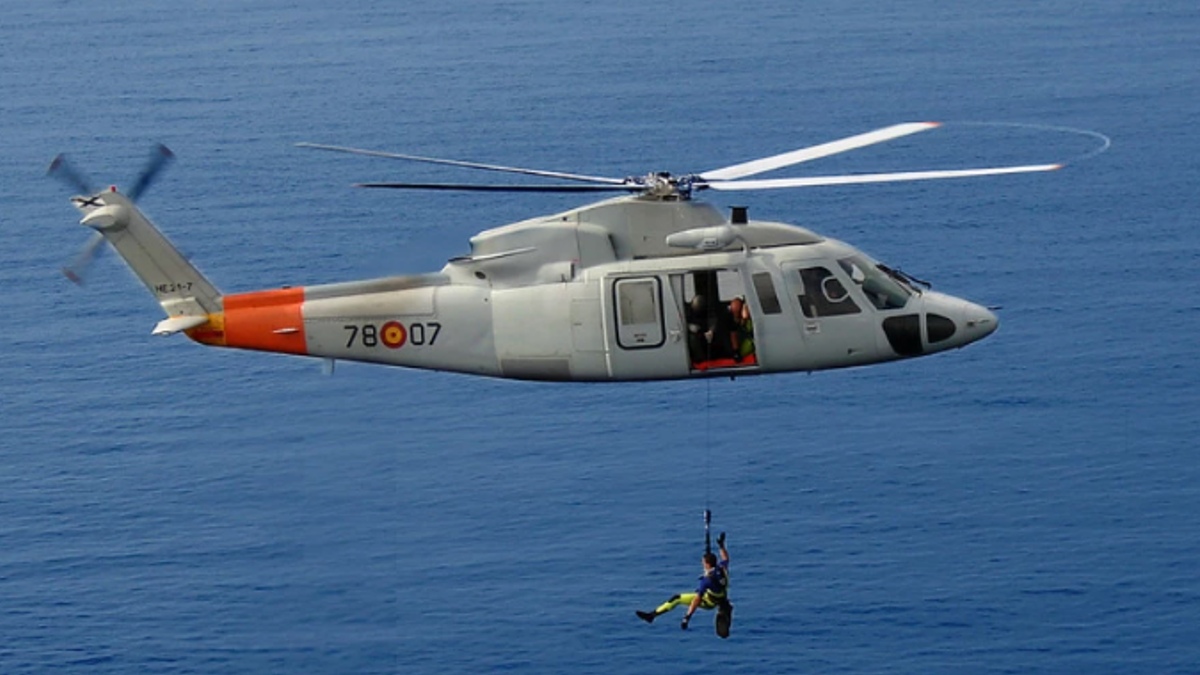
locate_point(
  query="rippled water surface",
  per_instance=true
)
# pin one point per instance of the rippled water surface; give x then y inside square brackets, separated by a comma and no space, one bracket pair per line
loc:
[1028,504]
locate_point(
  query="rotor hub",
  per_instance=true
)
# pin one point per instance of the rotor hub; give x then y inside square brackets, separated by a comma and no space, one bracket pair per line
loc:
[664,185]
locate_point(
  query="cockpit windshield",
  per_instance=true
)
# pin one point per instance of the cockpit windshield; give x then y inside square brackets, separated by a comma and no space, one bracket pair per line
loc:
[882,290]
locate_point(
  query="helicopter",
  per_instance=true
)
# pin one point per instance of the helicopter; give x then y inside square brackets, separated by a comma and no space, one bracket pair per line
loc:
[652,284]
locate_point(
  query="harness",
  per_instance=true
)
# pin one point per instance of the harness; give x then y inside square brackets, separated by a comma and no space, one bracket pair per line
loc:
[718,592]
[718,578]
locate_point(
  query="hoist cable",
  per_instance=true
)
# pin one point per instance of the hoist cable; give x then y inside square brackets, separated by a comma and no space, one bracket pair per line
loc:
[707,457]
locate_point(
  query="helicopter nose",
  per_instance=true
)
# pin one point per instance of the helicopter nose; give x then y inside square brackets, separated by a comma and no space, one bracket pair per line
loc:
[979,321]
[952,322]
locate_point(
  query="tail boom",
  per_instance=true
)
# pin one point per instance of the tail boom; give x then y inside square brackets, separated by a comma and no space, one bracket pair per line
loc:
[362,320]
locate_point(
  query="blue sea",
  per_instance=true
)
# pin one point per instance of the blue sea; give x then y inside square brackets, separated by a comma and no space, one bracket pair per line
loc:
[1030,504]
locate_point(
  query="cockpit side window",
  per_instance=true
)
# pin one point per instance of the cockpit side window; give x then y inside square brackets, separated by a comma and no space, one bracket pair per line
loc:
[881,290]
[822,294]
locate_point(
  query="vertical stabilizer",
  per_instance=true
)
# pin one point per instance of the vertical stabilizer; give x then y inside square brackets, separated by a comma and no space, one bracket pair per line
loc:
[184,293]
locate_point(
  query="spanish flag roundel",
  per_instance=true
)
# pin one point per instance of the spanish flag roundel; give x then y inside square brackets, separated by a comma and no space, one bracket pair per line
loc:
[393,335]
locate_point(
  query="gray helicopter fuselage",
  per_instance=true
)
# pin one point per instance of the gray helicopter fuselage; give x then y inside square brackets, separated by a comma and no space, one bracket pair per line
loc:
[592,294]
[595,294]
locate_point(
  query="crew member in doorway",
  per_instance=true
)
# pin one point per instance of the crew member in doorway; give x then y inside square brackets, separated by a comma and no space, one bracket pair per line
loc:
[711,593]
[711,333]
[743,329]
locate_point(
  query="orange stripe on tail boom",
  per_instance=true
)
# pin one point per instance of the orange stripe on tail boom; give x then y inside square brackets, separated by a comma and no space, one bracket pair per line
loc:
[269,321]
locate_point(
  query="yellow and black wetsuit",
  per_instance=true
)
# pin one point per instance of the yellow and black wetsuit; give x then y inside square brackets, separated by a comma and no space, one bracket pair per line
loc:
[713,591]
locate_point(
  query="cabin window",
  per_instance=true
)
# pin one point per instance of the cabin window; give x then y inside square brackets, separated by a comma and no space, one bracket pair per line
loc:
[764,288]
[638,302]
[639,313]
[881,290]
[822,294]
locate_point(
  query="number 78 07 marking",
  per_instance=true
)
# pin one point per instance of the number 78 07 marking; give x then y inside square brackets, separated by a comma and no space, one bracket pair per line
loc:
[393,334]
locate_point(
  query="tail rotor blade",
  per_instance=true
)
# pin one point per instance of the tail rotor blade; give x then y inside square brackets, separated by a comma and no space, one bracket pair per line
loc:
[159,159]
[63,170]
[77,270]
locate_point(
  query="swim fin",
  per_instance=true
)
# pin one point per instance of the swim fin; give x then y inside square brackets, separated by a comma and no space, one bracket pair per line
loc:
[724,619]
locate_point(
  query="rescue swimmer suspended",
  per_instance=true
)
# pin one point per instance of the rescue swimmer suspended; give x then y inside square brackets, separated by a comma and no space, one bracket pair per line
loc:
[652,285]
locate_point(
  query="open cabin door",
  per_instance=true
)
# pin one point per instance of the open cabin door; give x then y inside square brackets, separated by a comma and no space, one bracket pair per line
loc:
[720,320]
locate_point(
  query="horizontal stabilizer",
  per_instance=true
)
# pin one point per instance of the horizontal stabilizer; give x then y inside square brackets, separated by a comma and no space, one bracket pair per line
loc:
[177,324]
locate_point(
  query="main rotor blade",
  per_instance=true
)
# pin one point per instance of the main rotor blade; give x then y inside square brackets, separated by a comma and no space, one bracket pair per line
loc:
[810,153]
[476,187]
[63,170]
[814,181]
[77,270]
[159,159]
[468,165]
